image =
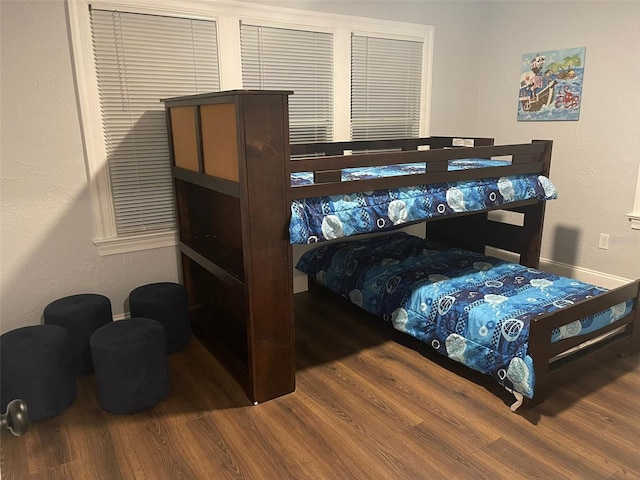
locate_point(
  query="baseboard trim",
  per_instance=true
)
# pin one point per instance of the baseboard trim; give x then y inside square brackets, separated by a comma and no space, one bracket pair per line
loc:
[583,274]
[586,275]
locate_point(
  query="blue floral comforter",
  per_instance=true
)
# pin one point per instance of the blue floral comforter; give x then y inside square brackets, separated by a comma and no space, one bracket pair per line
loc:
[325,218]
[470,307]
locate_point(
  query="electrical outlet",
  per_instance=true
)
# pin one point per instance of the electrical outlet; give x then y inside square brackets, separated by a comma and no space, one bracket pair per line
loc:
[604,241]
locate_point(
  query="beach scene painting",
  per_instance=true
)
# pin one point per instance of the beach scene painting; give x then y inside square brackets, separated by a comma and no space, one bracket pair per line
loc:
[551,85]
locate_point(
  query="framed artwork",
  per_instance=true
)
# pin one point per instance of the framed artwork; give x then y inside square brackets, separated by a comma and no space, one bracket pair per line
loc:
[551,85]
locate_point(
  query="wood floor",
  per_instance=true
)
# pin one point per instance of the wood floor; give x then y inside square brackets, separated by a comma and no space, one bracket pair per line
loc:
[365,407]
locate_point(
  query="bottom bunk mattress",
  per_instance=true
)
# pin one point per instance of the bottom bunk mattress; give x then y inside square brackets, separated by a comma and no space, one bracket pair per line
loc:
[473,308]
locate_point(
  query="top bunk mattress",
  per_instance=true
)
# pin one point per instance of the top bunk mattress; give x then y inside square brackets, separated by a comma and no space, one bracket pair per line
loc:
[329,217]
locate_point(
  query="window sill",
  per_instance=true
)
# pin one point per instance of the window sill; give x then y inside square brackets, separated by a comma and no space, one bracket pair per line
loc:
[634,218]
[114,246]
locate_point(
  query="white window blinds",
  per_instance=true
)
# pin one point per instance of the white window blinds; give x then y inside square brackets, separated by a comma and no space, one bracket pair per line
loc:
[141,59]
[297,60]
[386,79]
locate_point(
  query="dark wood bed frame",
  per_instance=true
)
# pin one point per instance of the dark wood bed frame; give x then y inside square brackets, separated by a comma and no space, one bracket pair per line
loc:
[231,157]
[524,240]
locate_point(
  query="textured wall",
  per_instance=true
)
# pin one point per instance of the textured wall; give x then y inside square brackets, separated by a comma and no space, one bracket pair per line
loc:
[47,225]
[596,159]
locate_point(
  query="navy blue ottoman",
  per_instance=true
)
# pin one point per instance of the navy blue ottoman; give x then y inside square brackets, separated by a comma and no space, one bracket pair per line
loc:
[36,366]
[165,302]
[80,315]
[130,362]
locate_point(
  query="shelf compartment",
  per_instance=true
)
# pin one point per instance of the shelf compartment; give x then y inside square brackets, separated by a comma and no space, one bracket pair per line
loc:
[218,315]
[207,181]
[209,225]
[222,268]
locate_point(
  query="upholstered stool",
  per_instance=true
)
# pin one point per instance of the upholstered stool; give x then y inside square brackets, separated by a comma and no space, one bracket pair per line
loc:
[80,315]
[165,302]
[36,366]
[130,362]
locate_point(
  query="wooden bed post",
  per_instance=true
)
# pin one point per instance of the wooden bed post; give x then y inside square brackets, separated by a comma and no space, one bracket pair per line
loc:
[634,346]
[531,234]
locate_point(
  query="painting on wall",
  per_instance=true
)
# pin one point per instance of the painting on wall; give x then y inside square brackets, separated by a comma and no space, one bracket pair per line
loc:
[551,85]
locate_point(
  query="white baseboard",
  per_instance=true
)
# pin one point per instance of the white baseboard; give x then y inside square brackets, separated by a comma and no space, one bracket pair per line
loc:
[582,274]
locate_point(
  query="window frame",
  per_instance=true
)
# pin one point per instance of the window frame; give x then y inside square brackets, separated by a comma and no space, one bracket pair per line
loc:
[634,215]
[227,16]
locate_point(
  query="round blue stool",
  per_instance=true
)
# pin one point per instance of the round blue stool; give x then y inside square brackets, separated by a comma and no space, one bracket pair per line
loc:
[131,366]
[80,315]
[165,302]
[36,366]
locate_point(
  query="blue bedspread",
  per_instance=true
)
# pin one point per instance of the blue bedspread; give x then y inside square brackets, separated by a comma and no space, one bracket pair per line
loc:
[325,218]
[470,307]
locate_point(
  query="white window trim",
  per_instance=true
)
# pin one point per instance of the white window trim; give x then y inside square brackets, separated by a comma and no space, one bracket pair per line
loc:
[634,215]
[227,15]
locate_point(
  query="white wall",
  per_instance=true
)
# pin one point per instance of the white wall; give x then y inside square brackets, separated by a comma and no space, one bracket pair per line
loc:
[47,224]
[596,159]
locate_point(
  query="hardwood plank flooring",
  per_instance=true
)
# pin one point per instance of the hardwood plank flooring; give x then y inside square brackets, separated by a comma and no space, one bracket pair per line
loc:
[368,404]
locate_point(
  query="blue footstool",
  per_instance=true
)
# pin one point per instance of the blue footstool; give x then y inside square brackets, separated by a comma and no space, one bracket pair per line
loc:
[80,315]
[36,366]
[165,302]
[131,366]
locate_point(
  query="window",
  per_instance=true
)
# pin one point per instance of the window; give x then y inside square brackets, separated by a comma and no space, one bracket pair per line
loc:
[139,60]
[147,51]
[297,60]
[386,81]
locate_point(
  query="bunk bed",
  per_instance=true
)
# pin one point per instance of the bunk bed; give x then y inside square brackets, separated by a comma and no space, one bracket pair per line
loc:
[542,328]
[244,194]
